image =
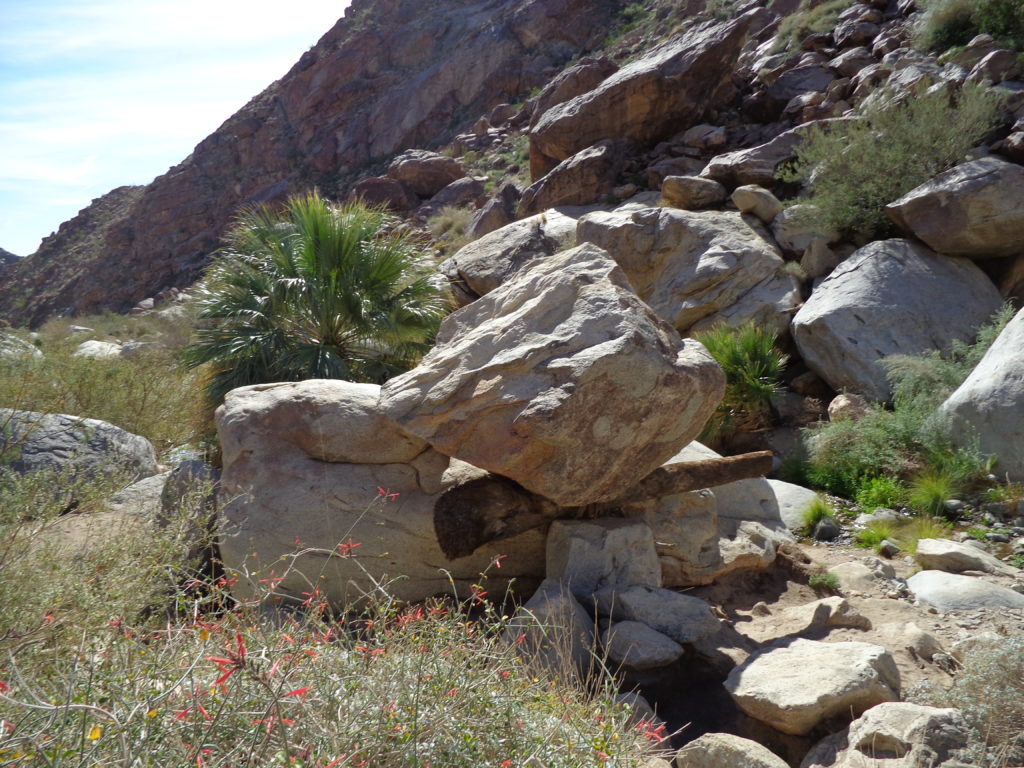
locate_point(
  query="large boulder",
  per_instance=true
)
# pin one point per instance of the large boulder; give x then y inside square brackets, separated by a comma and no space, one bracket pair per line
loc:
[895,734]
[57,442]
[683,618]
[425,173]
[560,379]
[650,98]
[584,178]
[975,209]
[16,348]
[484,264]
[590,555]
[956,592]
[697,268]
[954,557]
[321,488]
[570,83]
[891,297]
[989,405]
[794,685]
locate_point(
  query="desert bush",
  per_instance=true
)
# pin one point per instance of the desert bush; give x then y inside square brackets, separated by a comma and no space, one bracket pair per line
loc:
[809,18]
[449,227]
[823,580]
[846,457]
[223,683]
[753,369]
[321,293]
[989,690]
[881,491]
[948,23]
[848,167]
[148,394]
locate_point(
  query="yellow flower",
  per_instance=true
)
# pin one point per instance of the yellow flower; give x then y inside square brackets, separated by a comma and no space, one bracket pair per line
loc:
[204,634]
[151,714]
[95,732]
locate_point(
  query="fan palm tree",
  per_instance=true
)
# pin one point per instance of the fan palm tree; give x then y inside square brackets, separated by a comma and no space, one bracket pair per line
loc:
[320,292]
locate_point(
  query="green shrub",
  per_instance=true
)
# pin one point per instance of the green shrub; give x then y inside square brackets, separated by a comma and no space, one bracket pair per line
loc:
[989,690]
[815,512]
[881,491]
[753,372]
[949,23]
[848,168]
[874,533]
[321,293]
[844,456]
[930,490]
[808,19]
[825,580]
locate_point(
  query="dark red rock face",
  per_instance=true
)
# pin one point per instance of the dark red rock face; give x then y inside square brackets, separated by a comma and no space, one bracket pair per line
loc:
[390,75]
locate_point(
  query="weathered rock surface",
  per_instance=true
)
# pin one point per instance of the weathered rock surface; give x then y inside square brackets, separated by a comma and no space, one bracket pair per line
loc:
[389,76]
[724,750]
[795,685]
[312,465]
[751,198]
[895,734]
[555,630]
[756,165]
[636,646]
[560,379]
[15,348]
[955,592]
[683,618]
[975,209]
[692,192]
[697,268]
[891,297]
[484,264]
[649,98]
[581,179]
[590,555]
[570,83]
[954,557]
[51,441]
[98,349]
[989,405]
[425,173]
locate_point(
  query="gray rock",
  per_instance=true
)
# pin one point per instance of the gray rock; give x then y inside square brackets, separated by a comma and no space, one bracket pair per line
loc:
[589,555]
[495,213]
[683,618]
[586,177]
[796,684]
[756,165]
[560,379]
[989,406]
[481,266]
[141,499]
[949,556]
[14,348]
[792,500]
[975,209]
[697,268]
[637,646]
[425,173]
[97,350]
[891,297]
[954,592]
[896,734]
[751,198]
[31,442]
[552,629]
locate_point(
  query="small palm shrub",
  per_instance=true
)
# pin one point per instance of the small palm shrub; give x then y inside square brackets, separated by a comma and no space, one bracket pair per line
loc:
[753,373]
[848,168]
[321,292]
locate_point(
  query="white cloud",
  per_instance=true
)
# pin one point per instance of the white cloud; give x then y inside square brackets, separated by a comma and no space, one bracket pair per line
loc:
[94,95]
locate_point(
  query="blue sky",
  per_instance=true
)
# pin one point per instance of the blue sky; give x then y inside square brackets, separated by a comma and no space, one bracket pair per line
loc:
[95,94]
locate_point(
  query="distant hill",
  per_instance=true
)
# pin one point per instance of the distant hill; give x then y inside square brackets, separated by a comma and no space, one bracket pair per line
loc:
[6,257]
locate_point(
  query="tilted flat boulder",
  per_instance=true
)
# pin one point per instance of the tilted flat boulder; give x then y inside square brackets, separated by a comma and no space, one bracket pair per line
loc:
[312,465]
[697,268]
[794,685]
[989,405]
[956,592]
[584,178]
[560,379]
[425,173]
[954,557]
[975,209]
[650,98]
[891,297]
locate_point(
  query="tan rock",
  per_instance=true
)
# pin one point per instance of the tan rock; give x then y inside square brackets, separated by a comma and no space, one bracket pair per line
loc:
[751,198]
[847,407]
[560,379]
[583,178]
[794,685]
[724,750]
[425,173]
[291,494]
[692,192]
[975,209]
[697,268]
[649,98]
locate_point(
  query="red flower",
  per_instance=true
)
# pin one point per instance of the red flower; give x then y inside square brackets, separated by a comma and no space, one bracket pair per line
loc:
[298,692]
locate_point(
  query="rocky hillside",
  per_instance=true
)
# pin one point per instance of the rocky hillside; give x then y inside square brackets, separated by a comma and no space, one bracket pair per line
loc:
[389,75]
